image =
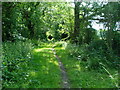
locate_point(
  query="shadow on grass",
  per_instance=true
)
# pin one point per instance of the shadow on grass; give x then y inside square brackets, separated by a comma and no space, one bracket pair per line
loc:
[43,70]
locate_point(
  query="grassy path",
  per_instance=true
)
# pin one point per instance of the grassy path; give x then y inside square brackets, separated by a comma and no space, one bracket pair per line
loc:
[48,69]
[44,69]
[73,69]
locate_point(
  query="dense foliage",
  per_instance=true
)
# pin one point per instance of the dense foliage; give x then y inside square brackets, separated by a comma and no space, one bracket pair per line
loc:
[28,26]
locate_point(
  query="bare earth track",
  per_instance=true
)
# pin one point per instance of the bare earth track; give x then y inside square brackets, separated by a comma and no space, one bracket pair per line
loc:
[65,81]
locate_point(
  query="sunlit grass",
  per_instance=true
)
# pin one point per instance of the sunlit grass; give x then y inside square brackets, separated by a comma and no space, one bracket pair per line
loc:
[80,77]
[49,49]
[32,73]
[41,49]
[42,70]
[54,62]
[45,68]
[59,48]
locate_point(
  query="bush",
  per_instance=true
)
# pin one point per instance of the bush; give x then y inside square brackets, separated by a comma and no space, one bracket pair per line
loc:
[99,49]
[14,56]
[92,54]
[116,43]
[97,45]
[77,52]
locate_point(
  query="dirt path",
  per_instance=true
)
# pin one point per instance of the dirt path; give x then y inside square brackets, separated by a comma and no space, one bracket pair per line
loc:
[65,81]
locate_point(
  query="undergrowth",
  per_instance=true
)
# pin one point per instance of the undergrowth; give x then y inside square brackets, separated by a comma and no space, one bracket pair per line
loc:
[93,55]
[89,66]
[85,70]
[14,56]
[26,65]
[31,64]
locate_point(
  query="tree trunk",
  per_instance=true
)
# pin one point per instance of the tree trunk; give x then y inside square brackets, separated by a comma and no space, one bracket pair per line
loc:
[29,24]
[31,29]
[110,25]
[110,35]
[75,34]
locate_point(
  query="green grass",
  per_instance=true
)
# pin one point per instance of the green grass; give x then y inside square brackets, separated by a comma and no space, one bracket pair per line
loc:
[80,77]
[40,68]
[44,69]
[40,71]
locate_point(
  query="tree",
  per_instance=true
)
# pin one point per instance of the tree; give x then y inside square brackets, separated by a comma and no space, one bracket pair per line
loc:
[75,34]
[7,20]
[111,16]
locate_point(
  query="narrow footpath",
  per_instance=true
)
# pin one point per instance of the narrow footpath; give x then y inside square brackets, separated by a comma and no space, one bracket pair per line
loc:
[65,81]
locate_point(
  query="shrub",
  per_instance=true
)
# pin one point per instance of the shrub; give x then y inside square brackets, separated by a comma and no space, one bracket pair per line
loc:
[92,54]
[116,43]
[14,55]
[97,45]
[77,52]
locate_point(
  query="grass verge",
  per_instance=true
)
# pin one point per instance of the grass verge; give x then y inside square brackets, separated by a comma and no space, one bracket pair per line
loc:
[27,67]
[80,77]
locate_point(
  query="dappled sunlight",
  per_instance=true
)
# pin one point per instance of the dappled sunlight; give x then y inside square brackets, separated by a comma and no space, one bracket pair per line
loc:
[46,72]
[54,62]
[60,48]
[60,44]
[46,55]
[43,67]
[47,49]
[73,67]
[78,67]
[32,73]
[49,45]
[41,49]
